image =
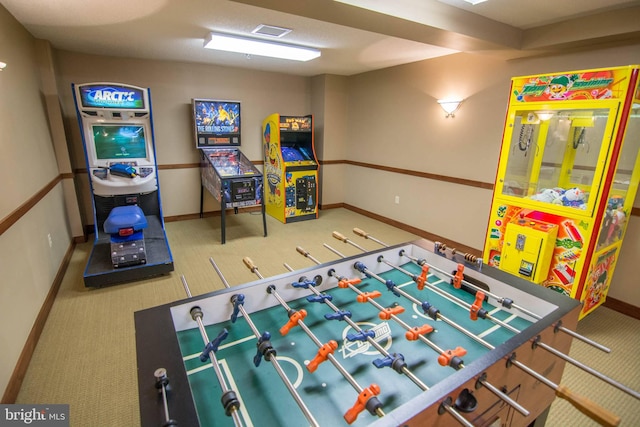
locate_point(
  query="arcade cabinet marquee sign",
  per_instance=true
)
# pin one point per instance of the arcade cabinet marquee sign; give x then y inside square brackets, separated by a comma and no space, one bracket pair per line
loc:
[217,122]
[587,85]
[112,96]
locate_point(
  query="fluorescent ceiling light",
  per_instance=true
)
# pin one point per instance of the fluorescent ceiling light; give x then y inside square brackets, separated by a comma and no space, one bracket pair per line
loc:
[475,2]
[259,47]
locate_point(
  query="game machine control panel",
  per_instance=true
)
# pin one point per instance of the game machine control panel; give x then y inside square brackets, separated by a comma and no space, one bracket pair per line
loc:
[570,158]
[226,173]
[117,135]
[119,175]
[305,193]
[528,247]
[290,167]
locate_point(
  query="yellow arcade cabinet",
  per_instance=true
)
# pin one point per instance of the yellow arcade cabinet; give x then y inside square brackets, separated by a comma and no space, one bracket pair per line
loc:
[567,178]
[290,168]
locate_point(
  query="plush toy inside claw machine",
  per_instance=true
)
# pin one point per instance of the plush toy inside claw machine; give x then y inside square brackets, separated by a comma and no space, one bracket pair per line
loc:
[567,179]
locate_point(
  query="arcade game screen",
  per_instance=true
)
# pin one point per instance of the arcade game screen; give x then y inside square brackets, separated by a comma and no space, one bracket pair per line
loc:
[119,141]
[296,146]
[293,154]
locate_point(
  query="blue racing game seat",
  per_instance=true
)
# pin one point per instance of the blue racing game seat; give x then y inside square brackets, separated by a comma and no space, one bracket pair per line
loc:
[125,225]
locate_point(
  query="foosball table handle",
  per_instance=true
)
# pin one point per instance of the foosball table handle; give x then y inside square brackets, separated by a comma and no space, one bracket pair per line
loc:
[361,233]
[249,263]
[339,236]
[588,407]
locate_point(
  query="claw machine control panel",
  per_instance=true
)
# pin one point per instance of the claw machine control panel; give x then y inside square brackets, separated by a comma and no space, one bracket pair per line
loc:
[567,179]
[225,171]
[528,247]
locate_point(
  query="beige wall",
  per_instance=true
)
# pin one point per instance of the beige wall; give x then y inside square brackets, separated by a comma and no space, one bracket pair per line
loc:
[329,105]
[394,120]
[28,163]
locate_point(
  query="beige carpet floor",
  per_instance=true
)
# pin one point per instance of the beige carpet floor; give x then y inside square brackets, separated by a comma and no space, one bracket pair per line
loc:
[86,356]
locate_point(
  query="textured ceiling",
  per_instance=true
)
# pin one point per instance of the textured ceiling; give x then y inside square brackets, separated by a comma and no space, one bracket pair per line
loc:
[352,39]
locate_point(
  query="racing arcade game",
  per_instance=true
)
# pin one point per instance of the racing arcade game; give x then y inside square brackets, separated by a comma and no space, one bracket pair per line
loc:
[117,135]
[225,171]
[291,168]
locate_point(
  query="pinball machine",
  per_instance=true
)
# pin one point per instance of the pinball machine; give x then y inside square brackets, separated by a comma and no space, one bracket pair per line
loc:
[230,177]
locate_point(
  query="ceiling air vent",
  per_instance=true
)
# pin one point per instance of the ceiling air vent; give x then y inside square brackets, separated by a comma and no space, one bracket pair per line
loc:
[271,31]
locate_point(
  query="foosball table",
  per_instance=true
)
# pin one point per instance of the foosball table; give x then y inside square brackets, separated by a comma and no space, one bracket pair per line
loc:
[410,334]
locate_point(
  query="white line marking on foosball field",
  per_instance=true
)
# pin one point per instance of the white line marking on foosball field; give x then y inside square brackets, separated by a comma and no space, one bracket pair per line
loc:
[296,365]
[232,385]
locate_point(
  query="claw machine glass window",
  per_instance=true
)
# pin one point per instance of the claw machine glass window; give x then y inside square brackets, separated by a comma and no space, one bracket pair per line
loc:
[557,156]
[625,183]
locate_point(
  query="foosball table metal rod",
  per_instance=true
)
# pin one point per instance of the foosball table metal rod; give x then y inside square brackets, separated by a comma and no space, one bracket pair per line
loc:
[162,382]
[335,251]
[586,368]
[271,357]
[436,315]
[507,302]
[249,263]
[445,406]
[559,326]
[481,381]
[229,399]
[536,343]
[252,267]
[584,405]
[371,401]
[469,258]
[582,338]
[404,370]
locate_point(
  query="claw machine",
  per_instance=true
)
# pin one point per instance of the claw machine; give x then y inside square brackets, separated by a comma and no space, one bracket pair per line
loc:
[567,178]
[225,171]
[291,168]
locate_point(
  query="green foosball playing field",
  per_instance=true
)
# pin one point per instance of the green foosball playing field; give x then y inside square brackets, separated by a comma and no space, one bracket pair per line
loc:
[266,400]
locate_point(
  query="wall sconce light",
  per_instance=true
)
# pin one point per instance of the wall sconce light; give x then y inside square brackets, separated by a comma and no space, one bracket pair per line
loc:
[449,106]
[3,65]
[258,47]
